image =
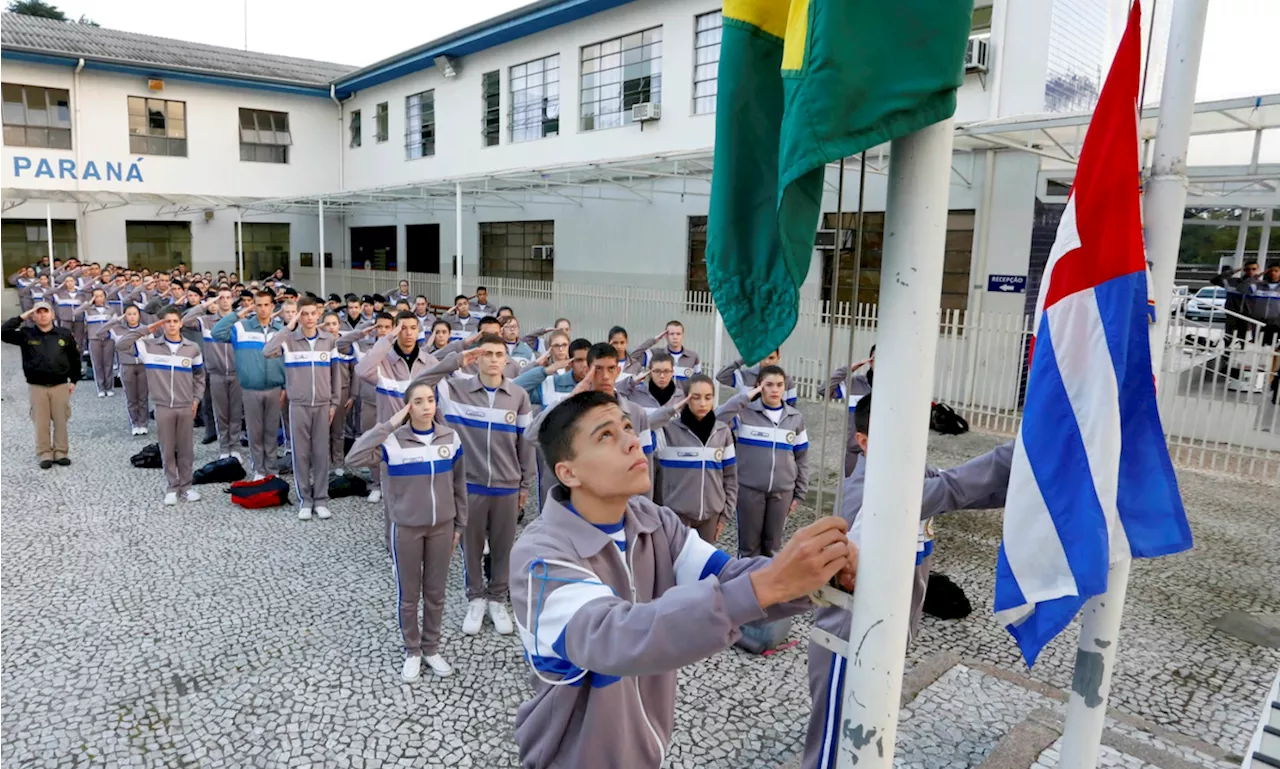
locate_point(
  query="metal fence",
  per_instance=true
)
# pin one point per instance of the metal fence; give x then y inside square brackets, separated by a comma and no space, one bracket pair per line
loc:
[1215,398]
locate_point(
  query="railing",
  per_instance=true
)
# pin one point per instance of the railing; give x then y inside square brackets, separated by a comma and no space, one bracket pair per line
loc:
[1215,397]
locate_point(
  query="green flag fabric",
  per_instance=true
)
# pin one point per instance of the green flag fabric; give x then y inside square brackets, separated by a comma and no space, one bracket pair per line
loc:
[803,83]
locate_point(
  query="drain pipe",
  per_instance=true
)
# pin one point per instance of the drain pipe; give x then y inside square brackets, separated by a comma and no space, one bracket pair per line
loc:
[75,153]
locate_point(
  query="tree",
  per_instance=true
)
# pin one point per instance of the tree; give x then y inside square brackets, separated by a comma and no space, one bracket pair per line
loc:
[37,8]
[45,11]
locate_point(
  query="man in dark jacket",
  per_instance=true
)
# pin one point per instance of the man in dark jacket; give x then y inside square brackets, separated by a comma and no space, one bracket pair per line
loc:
[51,364]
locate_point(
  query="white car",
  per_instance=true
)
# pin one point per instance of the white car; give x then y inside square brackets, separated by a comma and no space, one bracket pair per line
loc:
[1209,304]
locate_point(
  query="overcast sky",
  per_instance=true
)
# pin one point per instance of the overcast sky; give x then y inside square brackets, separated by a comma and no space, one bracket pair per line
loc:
[1240,51]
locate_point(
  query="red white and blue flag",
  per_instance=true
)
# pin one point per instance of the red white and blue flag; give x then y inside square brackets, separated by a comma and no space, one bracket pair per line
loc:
[1091,481]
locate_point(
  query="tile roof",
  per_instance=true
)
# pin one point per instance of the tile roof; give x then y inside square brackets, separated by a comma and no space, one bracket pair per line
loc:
[52,37]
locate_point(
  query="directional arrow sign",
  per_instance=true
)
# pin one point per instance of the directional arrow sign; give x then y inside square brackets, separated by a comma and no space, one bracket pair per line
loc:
[1010,284]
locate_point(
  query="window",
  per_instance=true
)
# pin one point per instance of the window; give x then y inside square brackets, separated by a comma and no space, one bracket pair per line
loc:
[706,61]
[264,136]
[157,127]
[955,271]
[696,277]
[491,109]
[420,125]
[26,241]
[158,245]
[373,248]
[266,249]
[981,20]
[36,116]
[507,250]
[308,259]
[618,74]
[382,125]
[535,99]
[356,139]
[422,248]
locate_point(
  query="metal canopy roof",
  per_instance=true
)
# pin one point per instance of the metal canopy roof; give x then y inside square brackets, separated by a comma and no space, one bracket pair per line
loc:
[169,204]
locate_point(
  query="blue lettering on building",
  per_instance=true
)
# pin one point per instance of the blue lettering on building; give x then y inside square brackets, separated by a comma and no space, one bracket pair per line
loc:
[67,169]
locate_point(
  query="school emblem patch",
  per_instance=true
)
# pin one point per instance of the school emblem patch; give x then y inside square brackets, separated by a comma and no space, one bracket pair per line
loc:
[186,361]
[444,452]
[324,356]
[719,454]
[510,417]
[791,437]
[688,373]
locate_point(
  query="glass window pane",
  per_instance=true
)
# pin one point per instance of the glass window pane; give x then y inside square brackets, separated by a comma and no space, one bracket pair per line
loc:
[612,46]
[178,147]
[654,35]
[137,124]
[247,121]
[15,136]
[631,41]
[137,106]
[37,137]
[37,108]
[176,110]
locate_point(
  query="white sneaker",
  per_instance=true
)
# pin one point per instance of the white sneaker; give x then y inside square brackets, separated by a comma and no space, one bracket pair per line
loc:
[143,431]
[111,393]
[323,513]
[237,456]
[339,472]
[486,547]
[501,620]
[257,477]
[412,668]
[223,456]
[304,514]
[375,495]
[102,395]
[438,665]
[136,431]
[192,495]
[171,498]
[475,617]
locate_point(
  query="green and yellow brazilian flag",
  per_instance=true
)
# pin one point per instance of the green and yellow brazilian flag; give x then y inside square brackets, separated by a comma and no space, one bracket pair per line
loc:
[803,83]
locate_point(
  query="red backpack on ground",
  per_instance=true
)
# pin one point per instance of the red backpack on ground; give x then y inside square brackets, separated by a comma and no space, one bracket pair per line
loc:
[255,495]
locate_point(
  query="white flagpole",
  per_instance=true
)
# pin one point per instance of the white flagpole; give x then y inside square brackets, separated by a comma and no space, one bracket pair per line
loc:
[915,231]
[1164,204]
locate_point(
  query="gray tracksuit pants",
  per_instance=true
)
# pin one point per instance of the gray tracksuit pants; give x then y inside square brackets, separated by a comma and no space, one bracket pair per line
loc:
[206,415]
[262,421]
[761,518]
[133,377]
[369,418]
[421,556]
[337,436]
[309,426]
[228,410]
[493,519]
[102,354]
[175,428]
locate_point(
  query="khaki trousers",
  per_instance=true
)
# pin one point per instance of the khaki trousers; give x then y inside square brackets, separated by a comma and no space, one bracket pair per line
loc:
[50,404]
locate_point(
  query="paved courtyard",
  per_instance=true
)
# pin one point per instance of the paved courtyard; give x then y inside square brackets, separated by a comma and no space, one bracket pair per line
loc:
[208,636]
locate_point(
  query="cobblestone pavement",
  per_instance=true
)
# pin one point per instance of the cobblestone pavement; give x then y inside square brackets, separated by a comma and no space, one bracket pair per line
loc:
[204,635]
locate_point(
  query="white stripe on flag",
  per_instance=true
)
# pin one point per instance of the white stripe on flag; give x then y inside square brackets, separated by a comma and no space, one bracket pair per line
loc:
[1040,565]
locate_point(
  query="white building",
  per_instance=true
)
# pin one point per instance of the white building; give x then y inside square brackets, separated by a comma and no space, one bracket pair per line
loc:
[523,113]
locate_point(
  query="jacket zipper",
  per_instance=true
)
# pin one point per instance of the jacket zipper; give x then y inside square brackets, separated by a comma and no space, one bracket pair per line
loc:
[631,582]
[433,484]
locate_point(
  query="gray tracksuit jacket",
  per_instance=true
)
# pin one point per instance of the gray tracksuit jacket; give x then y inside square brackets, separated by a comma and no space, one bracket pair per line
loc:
[116,328]
[687,361]
[742,377]
[65,303]
[492,426]
[770,457]
[425,476]
[979,483]
[1262,302]
[174,379]
[219,357]
[606,624]
[94,317]
[843,387]
[699,481]
[389,374]
[309,374]
[462,327]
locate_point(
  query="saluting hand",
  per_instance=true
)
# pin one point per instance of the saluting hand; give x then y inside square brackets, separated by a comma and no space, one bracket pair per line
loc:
[400,416]
[679,404]
[156,326]
[469,357]
[859,365]
[754,392]
[582,387]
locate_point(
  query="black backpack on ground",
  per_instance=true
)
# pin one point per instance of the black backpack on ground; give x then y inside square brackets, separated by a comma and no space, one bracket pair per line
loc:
[148,458]
[224,470]
[945,420]
[945,599]
[347,486]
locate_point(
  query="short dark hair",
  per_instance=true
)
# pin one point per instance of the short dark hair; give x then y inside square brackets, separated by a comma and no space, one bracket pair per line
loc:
[267,294]
[307,301]
[481,288]
[771,371]
[660,356]
[507,321]
[490,339]
[488,320]
[676,323]
[420,296]
[439,322]
[862,415]
[579,344]
[1250,261]
[383,314]
[508,309]
[601,350]
[170,310]
[617,330]
[349,298]
[405,315]
[460,296]
[561,320]
[560,425]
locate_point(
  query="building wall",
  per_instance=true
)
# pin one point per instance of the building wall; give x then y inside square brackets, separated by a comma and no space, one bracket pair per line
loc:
[212,166]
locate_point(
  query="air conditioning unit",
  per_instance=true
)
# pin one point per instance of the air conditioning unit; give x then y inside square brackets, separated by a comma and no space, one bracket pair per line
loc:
[645,111]
[977,53]
[544,253]
[827,239]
